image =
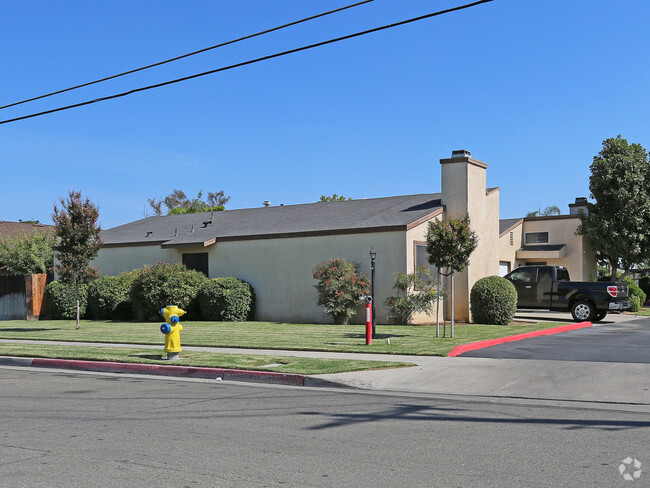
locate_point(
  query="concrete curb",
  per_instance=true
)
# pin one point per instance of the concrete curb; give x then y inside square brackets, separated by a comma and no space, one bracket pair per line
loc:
[268,377]
[472,346]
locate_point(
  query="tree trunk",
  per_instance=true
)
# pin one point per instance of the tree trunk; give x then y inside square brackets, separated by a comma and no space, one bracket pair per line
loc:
[76,296]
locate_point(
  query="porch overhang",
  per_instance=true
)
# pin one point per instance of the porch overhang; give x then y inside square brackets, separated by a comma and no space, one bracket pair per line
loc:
[542,251]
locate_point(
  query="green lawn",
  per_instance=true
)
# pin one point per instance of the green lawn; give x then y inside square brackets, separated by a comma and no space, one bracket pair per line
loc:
[280,364]
[417,340]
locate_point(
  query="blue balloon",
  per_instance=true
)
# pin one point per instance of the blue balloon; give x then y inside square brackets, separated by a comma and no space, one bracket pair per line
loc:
[174,319]
[165,328]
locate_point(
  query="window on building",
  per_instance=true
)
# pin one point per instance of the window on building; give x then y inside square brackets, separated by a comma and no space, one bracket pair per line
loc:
[536,237]
[422,259]
[197,261]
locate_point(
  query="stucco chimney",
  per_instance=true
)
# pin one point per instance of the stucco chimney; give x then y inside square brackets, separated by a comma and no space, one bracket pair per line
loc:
[580,204]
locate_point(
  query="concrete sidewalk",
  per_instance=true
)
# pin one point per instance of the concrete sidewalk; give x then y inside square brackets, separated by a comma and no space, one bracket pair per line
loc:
[514,378]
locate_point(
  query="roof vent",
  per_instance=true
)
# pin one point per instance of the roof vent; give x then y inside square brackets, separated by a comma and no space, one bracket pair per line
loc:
[461,153]
[206,223]
[266,203]
[192,229]
[149,233]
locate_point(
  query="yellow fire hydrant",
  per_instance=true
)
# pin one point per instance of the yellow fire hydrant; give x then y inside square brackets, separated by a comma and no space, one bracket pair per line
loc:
[172,330]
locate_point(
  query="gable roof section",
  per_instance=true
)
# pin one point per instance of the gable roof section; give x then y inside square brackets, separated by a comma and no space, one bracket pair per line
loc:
[346,217]
[506,225]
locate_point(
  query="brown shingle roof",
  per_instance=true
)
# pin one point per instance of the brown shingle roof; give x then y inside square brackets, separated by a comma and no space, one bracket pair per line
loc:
[12,229]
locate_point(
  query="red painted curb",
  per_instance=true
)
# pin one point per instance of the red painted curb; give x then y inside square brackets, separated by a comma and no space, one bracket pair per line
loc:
[173,370]
[458,350]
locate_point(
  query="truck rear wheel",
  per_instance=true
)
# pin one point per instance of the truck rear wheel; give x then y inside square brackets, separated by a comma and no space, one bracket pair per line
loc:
[583,311]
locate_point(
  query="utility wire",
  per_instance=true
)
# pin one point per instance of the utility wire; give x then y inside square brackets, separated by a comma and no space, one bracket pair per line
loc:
[186,55]
[251,61]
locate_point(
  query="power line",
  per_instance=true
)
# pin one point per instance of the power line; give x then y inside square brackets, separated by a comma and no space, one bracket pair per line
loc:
[246,63]
[227,43]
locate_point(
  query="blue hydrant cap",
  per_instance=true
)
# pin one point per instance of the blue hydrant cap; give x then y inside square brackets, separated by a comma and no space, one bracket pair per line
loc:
[174,319]
[165,328]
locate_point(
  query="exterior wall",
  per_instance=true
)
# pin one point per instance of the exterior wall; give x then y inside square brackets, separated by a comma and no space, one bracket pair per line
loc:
[418,234]
[579,259]
[112,261]
[464,192]
[507,251]
[280,270]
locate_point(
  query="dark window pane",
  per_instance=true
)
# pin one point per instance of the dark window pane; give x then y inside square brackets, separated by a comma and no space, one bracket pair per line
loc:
[197,261]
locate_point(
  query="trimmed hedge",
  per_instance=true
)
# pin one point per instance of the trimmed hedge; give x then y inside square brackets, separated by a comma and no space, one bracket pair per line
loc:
[226,299]
[109,297]
[61,303]
[155,287]
[493,301]
[635,303]
[635,290]
[644,284]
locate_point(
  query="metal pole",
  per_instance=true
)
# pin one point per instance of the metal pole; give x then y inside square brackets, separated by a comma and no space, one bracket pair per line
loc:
[452,303]
[372,294]
[438,277]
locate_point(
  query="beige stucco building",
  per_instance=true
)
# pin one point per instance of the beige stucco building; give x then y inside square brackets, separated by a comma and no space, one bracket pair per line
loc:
[275,248]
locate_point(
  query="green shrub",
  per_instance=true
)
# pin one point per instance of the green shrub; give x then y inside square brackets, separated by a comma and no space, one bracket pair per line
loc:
[340,286]
[416,293]
[60,300]
[493,301]
[635,303]
[644,284]
[155,287]
[635,290]
[226,299]
[109,297]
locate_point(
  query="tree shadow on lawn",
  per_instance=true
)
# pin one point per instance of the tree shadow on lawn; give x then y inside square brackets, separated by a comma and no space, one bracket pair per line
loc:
[151,357]
[28,329]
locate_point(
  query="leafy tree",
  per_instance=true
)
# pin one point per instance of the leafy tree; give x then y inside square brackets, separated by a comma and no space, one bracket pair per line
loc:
[28,253]
[75,224]
[550,210]
[340,286]
[178,203]
[617,225]
[334,198]
[416,293]
[450,242]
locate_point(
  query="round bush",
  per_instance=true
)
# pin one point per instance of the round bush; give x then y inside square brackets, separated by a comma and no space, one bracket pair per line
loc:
[155,287]
[493,301]
[635,290]
[61,303]
[109,297]
[635,303]
[226,299]
[644,284]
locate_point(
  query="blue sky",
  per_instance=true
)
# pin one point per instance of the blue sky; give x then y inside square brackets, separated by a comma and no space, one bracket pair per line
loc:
[529,87]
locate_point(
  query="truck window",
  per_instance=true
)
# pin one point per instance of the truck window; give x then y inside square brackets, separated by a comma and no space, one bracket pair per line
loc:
[523,275]
[562,274]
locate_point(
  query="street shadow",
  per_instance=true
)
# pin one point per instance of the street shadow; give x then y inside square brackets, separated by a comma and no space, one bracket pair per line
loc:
[152,357]
[351,335]
[431,414]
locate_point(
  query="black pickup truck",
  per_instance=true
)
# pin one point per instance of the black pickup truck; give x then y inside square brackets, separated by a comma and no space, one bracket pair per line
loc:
[549,288]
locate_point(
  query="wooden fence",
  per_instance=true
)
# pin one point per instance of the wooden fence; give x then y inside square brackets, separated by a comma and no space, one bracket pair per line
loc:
[21,297]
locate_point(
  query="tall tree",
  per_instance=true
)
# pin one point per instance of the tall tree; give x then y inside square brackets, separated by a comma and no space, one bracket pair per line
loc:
[177,202]
[450,243]
[617,225]
[75,224]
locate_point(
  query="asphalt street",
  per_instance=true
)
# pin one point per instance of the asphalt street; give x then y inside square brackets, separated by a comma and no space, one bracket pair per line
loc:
[625,342]
[88,429]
